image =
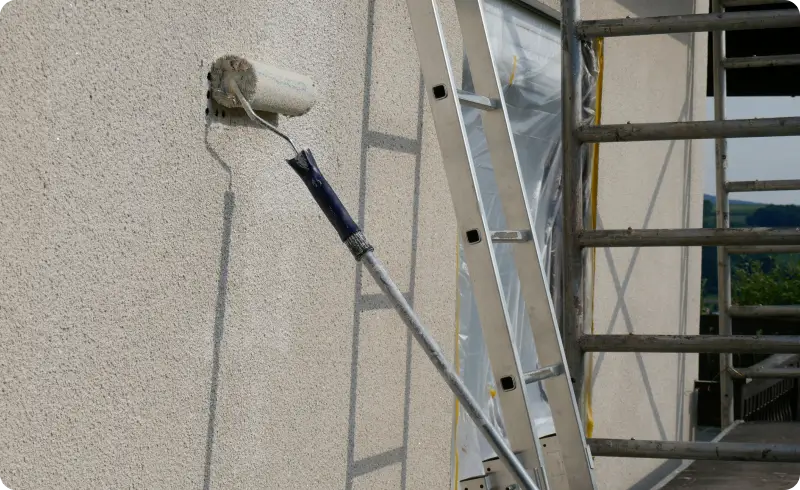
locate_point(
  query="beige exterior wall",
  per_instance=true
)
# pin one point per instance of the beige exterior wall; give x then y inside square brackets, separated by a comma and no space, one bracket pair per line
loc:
[176,312]
[648,185]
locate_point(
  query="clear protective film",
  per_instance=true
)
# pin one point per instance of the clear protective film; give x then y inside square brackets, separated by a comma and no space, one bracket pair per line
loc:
[526,47]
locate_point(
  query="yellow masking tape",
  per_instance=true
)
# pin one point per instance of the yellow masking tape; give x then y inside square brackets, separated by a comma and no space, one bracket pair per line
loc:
[513,71]
[593,204]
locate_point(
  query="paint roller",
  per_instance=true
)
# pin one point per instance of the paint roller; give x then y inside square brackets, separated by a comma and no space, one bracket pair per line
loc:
[265,88]
[251,85]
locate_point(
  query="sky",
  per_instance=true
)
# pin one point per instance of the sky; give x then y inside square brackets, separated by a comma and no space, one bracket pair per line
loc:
[757,158]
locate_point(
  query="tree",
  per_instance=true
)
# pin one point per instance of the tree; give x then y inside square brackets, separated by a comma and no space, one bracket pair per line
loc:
[709,214]
[775,216]
[753,285]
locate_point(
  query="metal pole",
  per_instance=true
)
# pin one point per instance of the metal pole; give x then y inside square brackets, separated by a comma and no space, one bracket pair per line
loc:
[714,22]
[712,344]
[750,3]
[723,219]
[697,237]
[571,194]
[764,311]
[435,354]
[773,373]
[762,61]
[691,130]
[763,185]
[764,249]
[718,451]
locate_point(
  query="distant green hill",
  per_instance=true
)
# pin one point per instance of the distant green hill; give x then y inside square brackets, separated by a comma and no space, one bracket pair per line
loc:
[740,211]
[713,199]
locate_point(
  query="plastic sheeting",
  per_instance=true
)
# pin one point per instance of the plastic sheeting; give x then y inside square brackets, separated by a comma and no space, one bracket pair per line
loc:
[527,50]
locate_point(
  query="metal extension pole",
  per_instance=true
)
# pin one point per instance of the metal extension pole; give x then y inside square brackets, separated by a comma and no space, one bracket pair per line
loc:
[571,194]
[351,235]
[723,221]
[435,354]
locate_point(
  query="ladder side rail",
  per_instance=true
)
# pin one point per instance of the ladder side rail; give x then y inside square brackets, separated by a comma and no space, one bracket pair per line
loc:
[444,104]
[533,282]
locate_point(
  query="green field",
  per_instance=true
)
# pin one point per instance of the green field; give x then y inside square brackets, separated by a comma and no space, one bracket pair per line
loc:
[740,212]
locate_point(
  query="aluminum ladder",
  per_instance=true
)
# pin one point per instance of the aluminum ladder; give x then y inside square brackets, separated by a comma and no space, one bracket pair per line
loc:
[729,241]
[568,463]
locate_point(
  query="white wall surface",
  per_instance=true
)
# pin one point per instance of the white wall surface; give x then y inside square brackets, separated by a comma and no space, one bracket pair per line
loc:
[159,333]
[177,313]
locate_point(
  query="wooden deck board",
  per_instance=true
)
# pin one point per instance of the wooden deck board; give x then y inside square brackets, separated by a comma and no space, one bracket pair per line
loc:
[736,475]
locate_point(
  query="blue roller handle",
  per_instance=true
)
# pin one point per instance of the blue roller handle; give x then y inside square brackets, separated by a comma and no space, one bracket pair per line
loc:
[326,198]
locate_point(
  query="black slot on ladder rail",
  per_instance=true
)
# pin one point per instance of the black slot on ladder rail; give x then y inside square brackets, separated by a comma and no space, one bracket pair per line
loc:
[767,81]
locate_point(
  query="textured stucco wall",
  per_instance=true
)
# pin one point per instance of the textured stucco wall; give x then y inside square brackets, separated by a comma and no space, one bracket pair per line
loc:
[647,185]
[176,312]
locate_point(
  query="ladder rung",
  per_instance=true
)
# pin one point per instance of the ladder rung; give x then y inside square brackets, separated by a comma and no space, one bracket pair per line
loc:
[710,344]
[743,128]
[732,21]
[763,185]
[477,101]
[476,482]
[719,451]
[516,236]
[544,373]
[751,3]
[772,373]
[493,474]
[764,311]
[698,237]
[762,61]
[764,249]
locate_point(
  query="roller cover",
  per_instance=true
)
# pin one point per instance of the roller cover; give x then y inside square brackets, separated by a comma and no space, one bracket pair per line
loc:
[267,88]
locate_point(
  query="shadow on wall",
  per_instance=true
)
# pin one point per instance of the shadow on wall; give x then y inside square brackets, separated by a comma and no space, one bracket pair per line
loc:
[621,283]
[649,8]
[368,302]
[218,114]
[228,205]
